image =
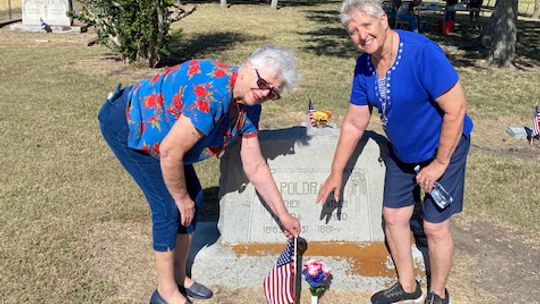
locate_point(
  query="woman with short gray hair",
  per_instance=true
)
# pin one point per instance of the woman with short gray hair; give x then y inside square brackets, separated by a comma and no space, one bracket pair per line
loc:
[368,7]
[422,108]
[279,61]
[160,126]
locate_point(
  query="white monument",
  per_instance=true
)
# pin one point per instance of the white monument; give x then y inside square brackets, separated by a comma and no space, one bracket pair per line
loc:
[52,12]
[46,15]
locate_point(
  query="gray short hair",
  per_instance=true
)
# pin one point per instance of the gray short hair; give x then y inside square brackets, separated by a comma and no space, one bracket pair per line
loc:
[279,61]
[371,8]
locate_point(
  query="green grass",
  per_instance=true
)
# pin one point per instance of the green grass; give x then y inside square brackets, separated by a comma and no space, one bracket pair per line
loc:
[59,180]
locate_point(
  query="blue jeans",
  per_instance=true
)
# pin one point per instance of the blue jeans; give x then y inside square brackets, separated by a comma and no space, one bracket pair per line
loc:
[146,171]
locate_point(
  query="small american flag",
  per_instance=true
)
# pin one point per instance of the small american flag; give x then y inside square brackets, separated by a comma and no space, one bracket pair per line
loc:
[310,119]
[45,26]
[536,123]
[278,285]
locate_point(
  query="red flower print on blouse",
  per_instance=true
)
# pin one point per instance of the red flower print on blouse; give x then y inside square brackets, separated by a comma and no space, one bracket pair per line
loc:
[176,108]
[218,73]
[220,65]
[154,101]
[143,127]
[136,87]
[202,90]
[154,79]
[145,148]
[203,106]
[177,102]
[232,80]
[155,149]
[193,68]
[171,69]
[154,121]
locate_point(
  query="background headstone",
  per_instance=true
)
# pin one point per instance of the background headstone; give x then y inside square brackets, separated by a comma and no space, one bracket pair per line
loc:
[53,12]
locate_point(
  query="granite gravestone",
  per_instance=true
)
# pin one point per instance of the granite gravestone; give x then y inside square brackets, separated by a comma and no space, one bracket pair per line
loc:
[52,12]
[240,249]
[300,161]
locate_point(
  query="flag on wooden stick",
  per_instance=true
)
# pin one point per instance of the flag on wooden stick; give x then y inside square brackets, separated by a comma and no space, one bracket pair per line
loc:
[279,283]
[310,117]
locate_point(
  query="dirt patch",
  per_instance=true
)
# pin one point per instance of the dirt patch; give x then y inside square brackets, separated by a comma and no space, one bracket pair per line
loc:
[500,262]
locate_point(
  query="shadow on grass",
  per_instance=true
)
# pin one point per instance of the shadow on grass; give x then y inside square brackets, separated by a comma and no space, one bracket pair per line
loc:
[204,45]
[281,3]
[467,41]
[328,38]
[209,210]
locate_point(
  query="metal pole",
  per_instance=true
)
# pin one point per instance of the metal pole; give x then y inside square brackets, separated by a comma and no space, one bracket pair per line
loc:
[9,9]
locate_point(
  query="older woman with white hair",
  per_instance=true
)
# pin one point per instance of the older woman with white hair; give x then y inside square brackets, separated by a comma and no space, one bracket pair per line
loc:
[160,126]
[422,107]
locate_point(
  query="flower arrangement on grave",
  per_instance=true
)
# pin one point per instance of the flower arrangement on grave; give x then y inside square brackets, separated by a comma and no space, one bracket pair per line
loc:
[322,118]
[319,277]
[318,118]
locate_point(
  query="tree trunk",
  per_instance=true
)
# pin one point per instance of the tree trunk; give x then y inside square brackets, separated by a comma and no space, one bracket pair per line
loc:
[500,33]
[273,4]
[223,4]
[536,13]
[154,56]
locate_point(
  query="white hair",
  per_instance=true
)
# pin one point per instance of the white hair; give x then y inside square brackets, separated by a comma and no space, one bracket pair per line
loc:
[278,61]
[371,8]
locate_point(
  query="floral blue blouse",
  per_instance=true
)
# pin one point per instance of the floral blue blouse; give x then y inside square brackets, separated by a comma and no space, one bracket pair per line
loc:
[198,89]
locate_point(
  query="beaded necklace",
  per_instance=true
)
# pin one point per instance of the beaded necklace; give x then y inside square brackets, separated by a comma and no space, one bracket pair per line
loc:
[383,86]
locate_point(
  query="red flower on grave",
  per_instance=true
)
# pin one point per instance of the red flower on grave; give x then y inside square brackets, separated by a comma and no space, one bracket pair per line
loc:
[203,106]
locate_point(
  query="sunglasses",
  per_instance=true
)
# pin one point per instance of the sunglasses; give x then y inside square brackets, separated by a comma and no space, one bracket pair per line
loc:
[263,85]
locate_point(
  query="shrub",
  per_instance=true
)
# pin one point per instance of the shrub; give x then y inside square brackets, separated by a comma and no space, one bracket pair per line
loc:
[137,30]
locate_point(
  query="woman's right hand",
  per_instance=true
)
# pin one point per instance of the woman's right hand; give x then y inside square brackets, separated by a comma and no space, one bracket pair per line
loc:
[291,225]
[332,184]
[186,207]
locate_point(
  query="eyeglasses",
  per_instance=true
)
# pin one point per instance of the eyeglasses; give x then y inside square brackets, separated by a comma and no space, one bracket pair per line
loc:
[263,85]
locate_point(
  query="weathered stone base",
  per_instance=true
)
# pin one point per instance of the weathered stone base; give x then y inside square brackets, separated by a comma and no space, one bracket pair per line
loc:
[55,29]
[355,266]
